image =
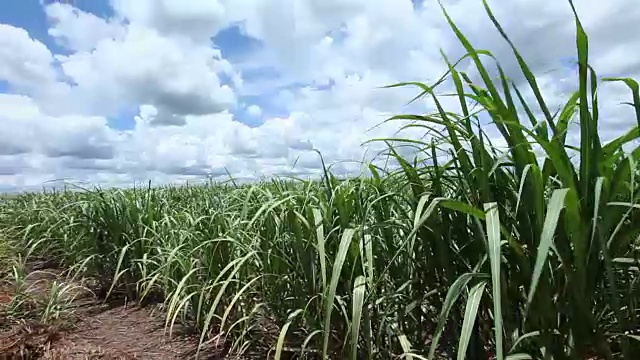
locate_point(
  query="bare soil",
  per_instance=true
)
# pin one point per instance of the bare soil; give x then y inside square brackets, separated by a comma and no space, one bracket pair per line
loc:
[122,332]
[95,330]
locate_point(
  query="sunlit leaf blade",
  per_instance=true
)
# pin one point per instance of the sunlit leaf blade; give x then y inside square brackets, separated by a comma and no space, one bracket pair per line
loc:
[470,314]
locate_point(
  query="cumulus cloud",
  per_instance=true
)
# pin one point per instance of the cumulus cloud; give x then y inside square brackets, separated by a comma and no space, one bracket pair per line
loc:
[78,30]
[254,111]
[178,77]
[196,19]
[24,62]
[116,64]
[29,130]
[313,82]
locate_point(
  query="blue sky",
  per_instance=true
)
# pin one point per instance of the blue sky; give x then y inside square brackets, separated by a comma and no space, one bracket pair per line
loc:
[113,92]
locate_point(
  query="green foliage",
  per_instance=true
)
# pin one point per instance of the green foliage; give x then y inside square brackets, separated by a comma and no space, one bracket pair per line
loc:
[518,253]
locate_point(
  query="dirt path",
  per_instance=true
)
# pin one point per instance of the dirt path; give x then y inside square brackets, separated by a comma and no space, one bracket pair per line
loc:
[95,330]
[122,333]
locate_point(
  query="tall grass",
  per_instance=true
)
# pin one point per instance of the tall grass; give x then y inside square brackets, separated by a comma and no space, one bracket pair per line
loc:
[476,253]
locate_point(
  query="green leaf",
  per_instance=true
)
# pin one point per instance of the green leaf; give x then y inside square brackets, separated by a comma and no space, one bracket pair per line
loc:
[470,315]
[359,288]
[283,334]
[345,242]
[318,223]
[546,238]
[495,258]
[453,294]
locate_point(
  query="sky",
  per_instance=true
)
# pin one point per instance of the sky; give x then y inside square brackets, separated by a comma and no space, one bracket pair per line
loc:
[113,92]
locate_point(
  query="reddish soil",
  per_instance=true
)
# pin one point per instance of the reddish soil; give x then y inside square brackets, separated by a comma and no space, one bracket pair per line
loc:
[94,330]
[121,332]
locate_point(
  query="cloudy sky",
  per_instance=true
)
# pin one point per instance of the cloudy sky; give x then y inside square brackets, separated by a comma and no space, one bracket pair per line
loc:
[114,92]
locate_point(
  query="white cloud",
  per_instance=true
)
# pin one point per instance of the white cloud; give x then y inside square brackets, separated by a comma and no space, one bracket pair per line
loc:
[254,111]
[179,78]
[30,130]
[326,62]
[196,19]
[24,62]
[115,65]
[79,30]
